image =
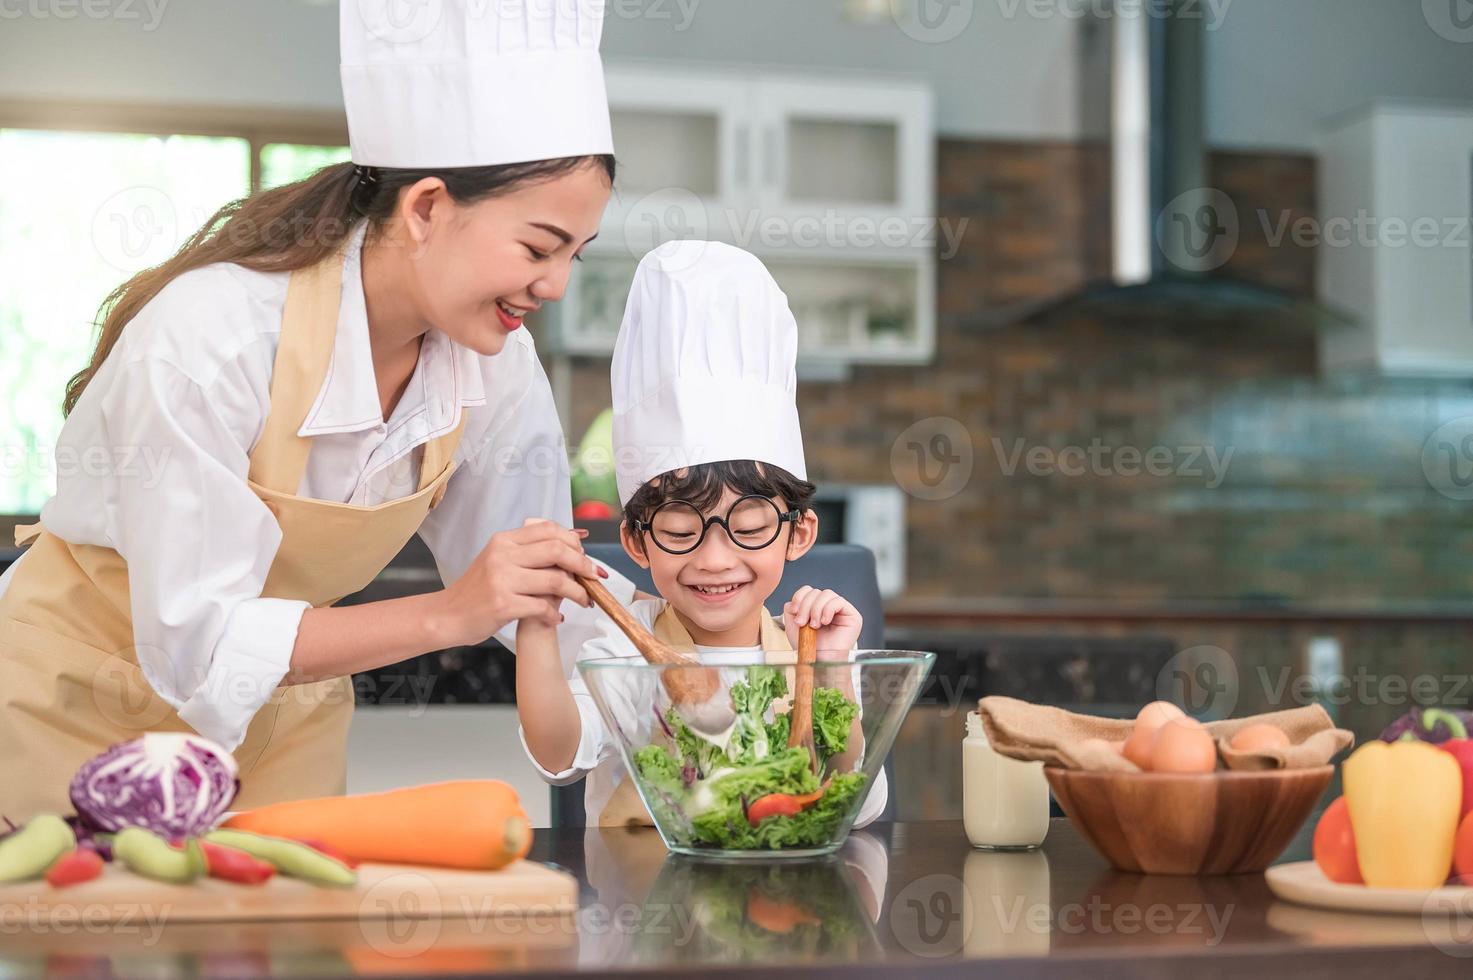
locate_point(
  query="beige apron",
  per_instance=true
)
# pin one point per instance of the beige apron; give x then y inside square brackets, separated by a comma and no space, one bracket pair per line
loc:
[625,808]
[70,685]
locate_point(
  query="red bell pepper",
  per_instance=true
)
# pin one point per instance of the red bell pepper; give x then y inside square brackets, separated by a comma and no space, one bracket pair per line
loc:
[1462,750]
[233,864]
[82,864]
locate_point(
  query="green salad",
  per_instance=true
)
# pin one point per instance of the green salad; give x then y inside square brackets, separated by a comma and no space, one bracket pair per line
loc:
[756,792]
[754,911]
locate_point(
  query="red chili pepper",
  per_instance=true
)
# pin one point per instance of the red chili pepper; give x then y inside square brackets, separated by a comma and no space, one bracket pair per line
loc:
[233,864]
[330,851]
[1462,750]
[82,864]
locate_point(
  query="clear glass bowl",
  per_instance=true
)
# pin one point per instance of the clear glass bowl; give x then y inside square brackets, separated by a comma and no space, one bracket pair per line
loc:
[706,794]
[756,912]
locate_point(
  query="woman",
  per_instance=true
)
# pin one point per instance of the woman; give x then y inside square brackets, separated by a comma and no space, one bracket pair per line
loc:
[326,368]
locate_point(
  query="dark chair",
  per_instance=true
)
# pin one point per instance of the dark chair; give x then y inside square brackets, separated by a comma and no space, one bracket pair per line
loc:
[848,569]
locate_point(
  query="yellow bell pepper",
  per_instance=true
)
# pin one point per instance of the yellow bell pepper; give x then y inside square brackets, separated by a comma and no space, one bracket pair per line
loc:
[1404,800]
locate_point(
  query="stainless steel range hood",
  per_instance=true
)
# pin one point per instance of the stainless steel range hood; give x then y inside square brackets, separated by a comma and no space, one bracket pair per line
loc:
[1171,232]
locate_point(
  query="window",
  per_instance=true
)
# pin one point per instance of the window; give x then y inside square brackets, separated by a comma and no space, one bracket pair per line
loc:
[80,212]
[282,163]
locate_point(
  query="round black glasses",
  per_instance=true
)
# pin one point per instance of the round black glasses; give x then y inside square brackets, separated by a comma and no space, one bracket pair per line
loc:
[753,522]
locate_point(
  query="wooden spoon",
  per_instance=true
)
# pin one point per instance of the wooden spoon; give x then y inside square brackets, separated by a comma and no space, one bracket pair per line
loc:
[693,690]
[800,721]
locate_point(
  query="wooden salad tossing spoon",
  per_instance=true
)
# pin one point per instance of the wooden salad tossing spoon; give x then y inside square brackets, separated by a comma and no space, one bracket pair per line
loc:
[693,690]
[800,719]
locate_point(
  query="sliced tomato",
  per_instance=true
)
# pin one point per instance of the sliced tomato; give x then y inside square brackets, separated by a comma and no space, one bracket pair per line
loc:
[772,805]
[775,914]
[782,804]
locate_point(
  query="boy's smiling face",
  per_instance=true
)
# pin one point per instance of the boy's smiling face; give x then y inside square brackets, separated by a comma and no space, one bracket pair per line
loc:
[731,618]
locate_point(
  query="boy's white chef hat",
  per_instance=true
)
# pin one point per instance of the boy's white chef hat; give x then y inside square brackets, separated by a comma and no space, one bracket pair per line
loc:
[704,366]
[470,83]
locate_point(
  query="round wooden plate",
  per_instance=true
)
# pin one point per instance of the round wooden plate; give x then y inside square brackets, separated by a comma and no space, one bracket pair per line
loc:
[1304,883]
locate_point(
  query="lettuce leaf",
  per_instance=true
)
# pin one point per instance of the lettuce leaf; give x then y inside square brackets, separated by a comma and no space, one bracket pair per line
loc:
[757,761]
[660,769]
[751,739]
[833,716]
[727,826]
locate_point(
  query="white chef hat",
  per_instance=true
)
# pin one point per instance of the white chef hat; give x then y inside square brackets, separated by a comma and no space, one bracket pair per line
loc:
[470,83]
[703,368]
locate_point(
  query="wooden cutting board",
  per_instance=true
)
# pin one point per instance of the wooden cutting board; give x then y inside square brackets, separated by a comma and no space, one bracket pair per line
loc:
[384,891]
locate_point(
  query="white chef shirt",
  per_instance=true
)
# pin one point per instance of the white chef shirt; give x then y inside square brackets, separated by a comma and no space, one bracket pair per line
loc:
[597,756]
[163,436]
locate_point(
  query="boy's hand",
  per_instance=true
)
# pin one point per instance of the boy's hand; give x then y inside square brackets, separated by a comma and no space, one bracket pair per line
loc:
[835,617]
[535,629]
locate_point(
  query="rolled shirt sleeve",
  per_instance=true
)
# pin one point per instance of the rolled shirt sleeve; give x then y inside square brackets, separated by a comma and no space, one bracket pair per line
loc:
[198,541]
[593,743]
[626,696]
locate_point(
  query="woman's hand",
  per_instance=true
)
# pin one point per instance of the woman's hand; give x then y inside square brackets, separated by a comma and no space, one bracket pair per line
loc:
[523,574]
[837,621]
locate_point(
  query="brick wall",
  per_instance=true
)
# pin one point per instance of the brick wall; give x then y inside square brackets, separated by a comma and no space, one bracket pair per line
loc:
[1322,498]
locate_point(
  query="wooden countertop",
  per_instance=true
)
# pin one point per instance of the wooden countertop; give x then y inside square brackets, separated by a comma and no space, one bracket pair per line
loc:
[908,899]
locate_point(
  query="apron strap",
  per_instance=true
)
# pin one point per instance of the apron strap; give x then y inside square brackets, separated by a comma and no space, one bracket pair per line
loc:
[303,354]
[26,533]
[438,453]
[670,631]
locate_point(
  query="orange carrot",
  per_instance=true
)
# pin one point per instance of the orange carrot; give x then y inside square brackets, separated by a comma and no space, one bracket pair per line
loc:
[472,823]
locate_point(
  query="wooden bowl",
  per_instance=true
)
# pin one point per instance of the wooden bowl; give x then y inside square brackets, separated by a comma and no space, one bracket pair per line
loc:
[1186,824]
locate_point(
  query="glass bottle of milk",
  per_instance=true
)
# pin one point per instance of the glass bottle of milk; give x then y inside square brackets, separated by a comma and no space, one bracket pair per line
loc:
[1004,801]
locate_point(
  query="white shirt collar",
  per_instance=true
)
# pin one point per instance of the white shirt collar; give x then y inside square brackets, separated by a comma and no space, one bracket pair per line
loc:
[348,400]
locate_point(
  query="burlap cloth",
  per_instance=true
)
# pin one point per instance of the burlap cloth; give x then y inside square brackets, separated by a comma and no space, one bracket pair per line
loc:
[1039,733]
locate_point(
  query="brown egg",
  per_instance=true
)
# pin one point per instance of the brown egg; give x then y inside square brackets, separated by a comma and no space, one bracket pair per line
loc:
[1260,737]
[1183,745]
[1139,746]
[1156,714]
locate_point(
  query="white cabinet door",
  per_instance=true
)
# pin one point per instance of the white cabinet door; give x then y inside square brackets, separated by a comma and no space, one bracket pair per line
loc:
[683,141]
[831,182]
[847,162]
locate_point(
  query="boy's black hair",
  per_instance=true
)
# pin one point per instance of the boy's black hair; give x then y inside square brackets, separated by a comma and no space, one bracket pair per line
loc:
[704,483]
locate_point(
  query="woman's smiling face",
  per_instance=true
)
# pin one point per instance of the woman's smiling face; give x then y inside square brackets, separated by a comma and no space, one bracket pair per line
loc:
[479,268]
[719,588]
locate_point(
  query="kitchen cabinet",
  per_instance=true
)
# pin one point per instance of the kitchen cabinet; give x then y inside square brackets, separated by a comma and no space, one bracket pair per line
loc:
[828,179]
[1395,195]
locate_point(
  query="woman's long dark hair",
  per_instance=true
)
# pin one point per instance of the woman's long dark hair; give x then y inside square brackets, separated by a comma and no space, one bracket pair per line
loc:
[298,225]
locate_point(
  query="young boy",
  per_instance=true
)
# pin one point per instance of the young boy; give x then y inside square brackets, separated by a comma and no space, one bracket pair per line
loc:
[710,470]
